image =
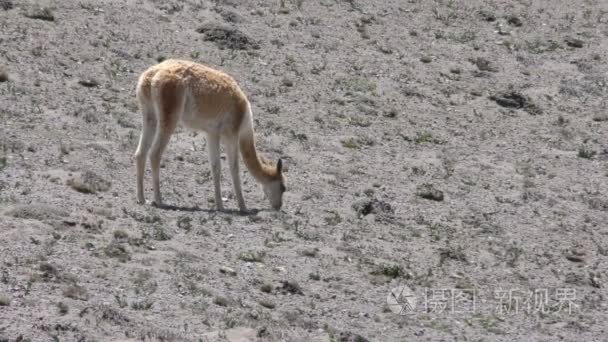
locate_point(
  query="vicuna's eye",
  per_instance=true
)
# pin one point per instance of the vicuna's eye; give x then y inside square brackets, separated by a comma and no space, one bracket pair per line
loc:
[283,189]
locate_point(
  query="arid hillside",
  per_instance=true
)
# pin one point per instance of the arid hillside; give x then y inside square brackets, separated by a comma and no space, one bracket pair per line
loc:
[453,152]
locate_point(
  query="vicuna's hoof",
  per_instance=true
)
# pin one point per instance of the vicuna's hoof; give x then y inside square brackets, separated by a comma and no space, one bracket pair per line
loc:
[157,204]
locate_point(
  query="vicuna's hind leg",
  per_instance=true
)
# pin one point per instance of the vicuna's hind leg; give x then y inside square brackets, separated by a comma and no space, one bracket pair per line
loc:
[170,109]
[213,144]
[145,141]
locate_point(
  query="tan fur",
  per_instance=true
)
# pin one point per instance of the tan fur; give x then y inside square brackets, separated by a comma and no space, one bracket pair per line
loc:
[203,99]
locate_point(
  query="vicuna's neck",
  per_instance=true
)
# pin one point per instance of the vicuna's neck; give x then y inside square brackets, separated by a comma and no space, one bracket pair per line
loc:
[260,170]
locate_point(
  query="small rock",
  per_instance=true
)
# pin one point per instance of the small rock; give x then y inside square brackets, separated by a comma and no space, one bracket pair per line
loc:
[426,59]
[89,83]
[41,13]
[391,113]
[575,258]
[3,75]
[5,300]
[599,117]
[221,301]
[514,21]
[267,304]
[385,49]
[428,191]
[228,271]
[287,82]
[456,71]
[574,42]
[252,256]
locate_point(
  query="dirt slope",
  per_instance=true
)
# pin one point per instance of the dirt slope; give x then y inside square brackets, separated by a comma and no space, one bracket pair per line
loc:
[454,147]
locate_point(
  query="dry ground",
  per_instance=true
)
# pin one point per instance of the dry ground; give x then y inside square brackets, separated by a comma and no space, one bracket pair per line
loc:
[442,145]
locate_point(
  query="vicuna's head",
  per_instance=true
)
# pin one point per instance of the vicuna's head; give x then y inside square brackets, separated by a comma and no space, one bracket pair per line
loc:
[275,187]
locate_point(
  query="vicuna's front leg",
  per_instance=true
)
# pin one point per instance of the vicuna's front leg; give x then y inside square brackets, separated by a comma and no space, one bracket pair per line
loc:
[232,148]
[213,144]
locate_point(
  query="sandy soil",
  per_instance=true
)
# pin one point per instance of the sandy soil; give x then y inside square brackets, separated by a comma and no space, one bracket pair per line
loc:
[457,148]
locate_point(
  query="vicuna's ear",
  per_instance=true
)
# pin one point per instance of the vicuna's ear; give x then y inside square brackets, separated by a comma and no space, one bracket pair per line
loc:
[279,166]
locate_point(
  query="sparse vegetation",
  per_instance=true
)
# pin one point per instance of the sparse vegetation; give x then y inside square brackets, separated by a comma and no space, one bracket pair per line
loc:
[454,147]
[586,153]
[357,143]
[89,183]
[388,270]
[62,308]
[427,137]
[117,250]
[144,304]
[76,292]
